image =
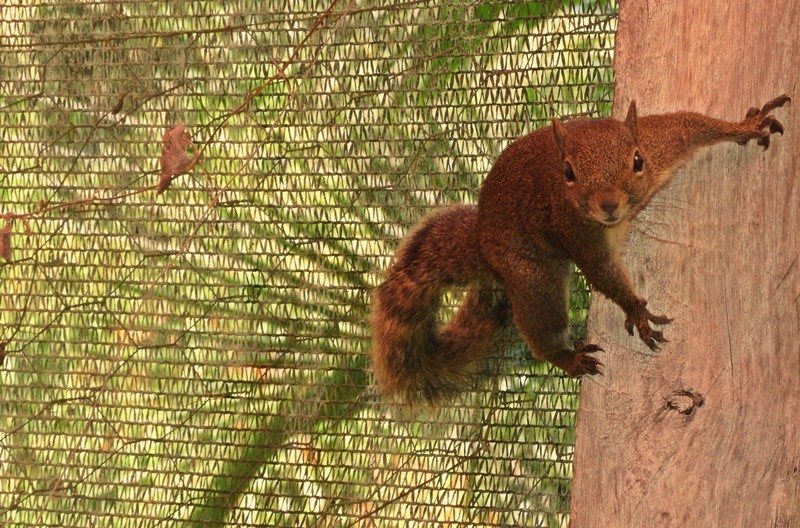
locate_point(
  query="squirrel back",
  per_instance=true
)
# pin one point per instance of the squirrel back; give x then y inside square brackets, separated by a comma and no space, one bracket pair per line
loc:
[413,357]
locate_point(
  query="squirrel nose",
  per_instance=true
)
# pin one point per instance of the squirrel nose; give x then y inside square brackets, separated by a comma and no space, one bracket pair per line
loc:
[609,206]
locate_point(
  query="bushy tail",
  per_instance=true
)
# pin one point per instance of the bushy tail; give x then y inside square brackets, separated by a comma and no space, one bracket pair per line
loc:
[412,357]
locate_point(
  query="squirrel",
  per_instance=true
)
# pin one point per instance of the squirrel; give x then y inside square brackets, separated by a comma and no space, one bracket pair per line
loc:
[562,194]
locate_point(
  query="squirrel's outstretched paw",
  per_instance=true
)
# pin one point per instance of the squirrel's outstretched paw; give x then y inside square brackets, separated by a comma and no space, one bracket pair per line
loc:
[760,125]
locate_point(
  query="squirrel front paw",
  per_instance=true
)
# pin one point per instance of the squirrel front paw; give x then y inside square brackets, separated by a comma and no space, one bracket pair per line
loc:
[759,124]
[577,362]
[641,320]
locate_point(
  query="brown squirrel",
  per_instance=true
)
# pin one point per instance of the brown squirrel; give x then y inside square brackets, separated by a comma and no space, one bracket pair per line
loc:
[564,193]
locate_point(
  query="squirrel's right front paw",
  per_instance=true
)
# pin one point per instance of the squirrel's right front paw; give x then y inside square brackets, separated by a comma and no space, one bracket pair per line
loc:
[641,320]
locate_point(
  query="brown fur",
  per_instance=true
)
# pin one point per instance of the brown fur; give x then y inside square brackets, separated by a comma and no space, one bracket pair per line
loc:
[411,356]
[533,218]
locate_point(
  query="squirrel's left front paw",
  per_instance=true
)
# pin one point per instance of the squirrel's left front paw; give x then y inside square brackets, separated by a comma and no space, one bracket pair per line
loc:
[761,125]
[641,320]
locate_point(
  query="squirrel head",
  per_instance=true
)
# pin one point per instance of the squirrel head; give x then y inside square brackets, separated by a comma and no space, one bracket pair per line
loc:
[605,173]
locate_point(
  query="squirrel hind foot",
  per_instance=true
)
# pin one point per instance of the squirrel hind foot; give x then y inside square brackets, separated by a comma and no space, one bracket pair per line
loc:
[578,362]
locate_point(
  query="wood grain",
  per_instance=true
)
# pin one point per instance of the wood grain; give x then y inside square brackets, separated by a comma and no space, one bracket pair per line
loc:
[706,433]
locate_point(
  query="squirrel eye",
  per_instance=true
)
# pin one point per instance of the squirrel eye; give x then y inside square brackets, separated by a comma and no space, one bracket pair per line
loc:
[569,173]
[638,162]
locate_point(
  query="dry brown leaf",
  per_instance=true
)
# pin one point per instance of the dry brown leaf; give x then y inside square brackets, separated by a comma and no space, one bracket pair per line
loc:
[120,103]
[175,160]
[6,250]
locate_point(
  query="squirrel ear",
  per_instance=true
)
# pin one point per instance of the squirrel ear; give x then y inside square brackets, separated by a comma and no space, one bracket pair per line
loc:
[558,135]
[630,119]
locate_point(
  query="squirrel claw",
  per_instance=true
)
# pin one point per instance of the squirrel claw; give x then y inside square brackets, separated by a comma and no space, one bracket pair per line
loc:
[584,363]
[752,112]
[655,340]
[775,103]
[757,120]
[578,362]
[659,319]
[588,349]
[652,338]
[629,325]
[775,126]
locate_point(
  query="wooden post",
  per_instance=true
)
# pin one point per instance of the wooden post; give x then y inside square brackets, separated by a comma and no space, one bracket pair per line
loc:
[706,433]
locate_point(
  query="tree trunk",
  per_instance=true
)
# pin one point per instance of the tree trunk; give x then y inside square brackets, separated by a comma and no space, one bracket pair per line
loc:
[705,433]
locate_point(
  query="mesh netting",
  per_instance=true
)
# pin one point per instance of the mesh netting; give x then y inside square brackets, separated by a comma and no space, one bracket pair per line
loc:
[184,339]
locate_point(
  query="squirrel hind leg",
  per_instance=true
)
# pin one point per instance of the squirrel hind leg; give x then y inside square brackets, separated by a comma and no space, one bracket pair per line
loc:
[541,316]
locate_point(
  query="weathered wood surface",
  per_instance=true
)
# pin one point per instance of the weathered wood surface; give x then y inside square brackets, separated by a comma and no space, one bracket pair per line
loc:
[718,250]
